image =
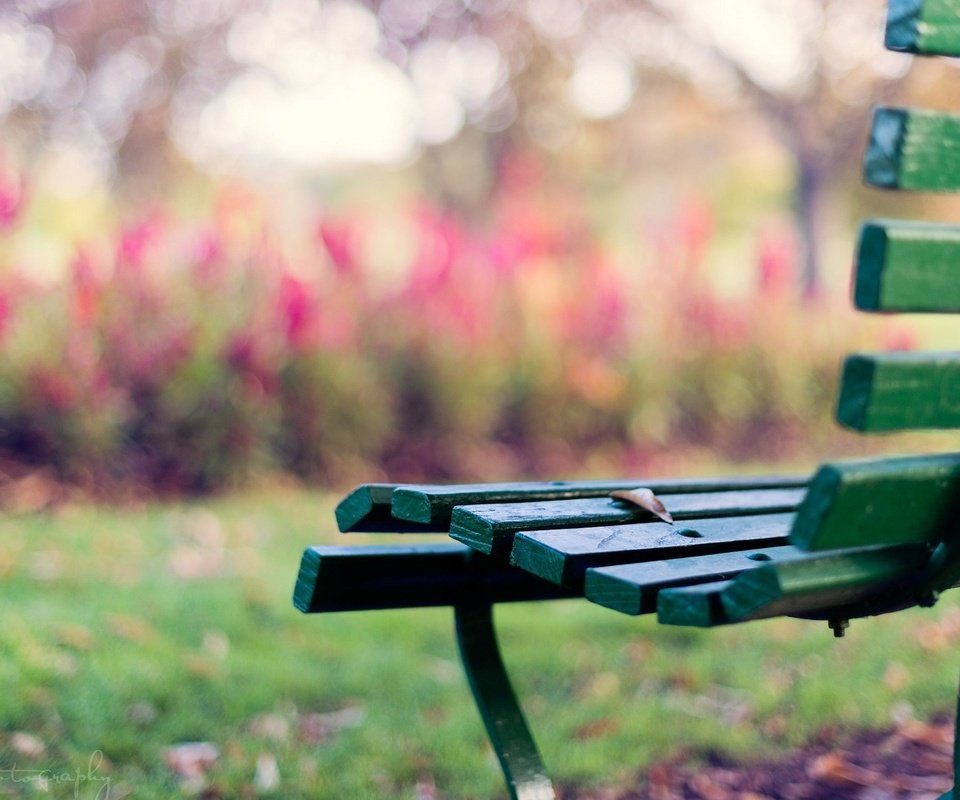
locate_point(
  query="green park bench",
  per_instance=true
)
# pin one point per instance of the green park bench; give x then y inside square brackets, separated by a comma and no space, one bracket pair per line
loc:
[855,539]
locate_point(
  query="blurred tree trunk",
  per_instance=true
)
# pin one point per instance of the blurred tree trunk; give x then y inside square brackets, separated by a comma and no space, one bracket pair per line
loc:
[810,194]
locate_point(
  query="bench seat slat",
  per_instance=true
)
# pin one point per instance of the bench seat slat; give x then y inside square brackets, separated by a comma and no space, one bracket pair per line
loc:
[361,578]
[816,585]
[434,504]
[367,510]
[562,556]
[633,588]
[913,149]
[900,391]
[491,528]
[930,27]
[882,501]
[908,266]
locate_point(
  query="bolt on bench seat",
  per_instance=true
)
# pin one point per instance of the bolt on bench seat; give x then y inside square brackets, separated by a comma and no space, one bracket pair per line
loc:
[855,539]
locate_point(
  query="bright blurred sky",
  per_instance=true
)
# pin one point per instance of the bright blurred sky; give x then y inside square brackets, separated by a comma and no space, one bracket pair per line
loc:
[315,93]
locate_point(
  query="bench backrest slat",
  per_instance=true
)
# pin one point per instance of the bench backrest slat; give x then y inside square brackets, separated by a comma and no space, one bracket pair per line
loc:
[928,27]
[908,267]
[885,501]
[900,391]
[913,149]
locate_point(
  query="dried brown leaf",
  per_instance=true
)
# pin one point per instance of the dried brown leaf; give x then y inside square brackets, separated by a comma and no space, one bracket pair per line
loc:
[596,729]
[939,737]
[643,498]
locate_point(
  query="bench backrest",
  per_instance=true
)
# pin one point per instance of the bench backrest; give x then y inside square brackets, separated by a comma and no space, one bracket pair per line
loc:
[900,267]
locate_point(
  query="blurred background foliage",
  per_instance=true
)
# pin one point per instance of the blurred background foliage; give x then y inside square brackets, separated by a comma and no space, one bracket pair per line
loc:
[433,239]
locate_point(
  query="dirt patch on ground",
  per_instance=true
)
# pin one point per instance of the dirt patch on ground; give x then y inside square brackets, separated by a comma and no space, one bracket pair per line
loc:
[910,762]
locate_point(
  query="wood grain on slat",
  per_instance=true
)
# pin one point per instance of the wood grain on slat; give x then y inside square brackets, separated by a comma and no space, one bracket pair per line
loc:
[883,501]
[633,588]
[434,504]
[814,585]
[409,576]
[908,266]
[913,149]
[491,528]
[900,391]
[562,556]
[929,27]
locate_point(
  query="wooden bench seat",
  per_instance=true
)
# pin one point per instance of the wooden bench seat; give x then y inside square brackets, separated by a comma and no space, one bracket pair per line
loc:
[856,539]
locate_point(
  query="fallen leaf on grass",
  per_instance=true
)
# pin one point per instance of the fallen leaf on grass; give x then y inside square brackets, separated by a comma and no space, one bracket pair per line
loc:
[939,737]
[897,676]
[133,629]
[931,637]
[27,745]
[191,760]
[318,728]
[267,776]
[216,643]
[706,788]
[76,636]
[270,726]
[643,498]
[834,767]
[426,789]
[29,494]
[197,563]
[596,728]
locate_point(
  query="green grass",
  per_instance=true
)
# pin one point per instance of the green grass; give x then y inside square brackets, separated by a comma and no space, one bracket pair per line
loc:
[124,632]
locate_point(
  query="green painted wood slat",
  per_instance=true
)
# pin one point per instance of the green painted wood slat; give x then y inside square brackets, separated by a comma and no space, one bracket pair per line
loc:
[826,585]
[491,528]
[900,391]
[913,149]
[562,556]
[633,588]
[908,267]
[367,510]
[434,505]
[361,578]
[882,501]
[925,27]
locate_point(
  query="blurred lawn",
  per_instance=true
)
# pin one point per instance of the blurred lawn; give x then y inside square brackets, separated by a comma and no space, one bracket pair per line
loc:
[129,631]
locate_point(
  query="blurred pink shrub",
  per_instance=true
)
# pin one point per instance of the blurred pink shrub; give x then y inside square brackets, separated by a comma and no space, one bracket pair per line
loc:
[191,355]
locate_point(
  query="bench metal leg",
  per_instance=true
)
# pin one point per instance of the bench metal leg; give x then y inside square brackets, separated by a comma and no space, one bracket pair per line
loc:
[511,738]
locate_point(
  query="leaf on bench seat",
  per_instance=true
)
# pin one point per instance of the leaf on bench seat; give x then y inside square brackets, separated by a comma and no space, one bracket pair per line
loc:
[908,266]
[562,556]
[881,501]
[644,498]
[818,585]
[491,528]
[928,27]
[900,391]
